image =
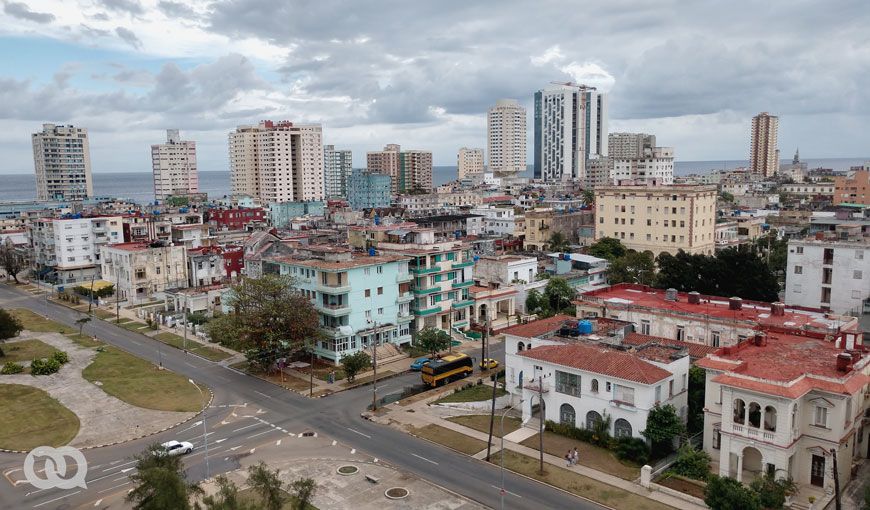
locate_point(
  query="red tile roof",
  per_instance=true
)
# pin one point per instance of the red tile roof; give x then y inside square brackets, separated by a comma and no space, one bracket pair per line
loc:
[695,350]
[537,328]
[622,365]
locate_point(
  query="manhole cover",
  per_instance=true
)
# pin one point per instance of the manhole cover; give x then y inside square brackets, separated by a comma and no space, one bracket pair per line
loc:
[348,470]
[309,434]
[397,493]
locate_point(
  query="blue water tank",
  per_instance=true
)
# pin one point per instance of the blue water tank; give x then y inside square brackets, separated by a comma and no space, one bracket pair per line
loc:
[476,258]
[372,252]
[377,220]
[584,327]
[566,256]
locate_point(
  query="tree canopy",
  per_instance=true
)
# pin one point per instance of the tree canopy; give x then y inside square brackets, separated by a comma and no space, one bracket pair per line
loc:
[10,260]
[160,482]
[355,363]
[633,267]
[433,340]
[731,272]
[559,295]
[662,427]
[725,493]
[558,242]
[10,326]
[607,248]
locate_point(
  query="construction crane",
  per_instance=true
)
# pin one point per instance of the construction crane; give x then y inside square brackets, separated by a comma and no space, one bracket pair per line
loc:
[572,84]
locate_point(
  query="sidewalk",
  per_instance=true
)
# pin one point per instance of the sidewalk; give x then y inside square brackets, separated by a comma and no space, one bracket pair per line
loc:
[417,416]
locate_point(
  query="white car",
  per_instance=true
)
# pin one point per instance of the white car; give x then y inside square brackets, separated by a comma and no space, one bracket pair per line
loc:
[177,447]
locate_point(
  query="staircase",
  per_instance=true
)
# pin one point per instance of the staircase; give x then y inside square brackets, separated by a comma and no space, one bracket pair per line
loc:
[388,353]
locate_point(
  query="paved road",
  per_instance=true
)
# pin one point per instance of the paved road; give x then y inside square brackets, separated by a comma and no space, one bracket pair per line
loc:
[261,411]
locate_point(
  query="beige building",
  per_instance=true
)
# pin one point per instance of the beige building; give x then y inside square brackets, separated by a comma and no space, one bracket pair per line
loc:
[62,160]
[854,189]
[763,153]
[658,218]
[408,170]
[277,161]
[469,161]
[506,137]
[139,270]
[540,225]
[174,166]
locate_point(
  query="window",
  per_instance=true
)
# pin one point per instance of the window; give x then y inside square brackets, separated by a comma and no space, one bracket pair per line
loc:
[380,311]
[568,384]
[820,417]
[367,270]
[681,333]
[670,388]
[658,393]
[714,338]
[684,382]
[607,387]
[859,254]
[380,291]
[368,292]
[368,314]
[624,394]
[717,438]
[594,387]
[799,249]
[857,275]
[621,428]
[380,269]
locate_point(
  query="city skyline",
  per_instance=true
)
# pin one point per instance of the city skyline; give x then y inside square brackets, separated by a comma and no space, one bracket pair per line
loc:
[107,66]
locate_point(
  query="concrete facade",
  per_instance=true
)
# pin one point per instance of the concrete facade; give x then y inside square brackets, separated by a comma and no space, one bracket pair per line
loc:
[141,270]
[469,161]
[337,167]
[62,161]
[506,137]
[71,246]
[174,166]
[763,151]
[833,274]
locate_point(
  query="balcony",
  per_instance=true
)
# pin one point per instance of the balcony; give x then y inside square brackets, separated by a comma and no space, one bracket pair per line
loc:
[405,298]
[427,311]
[334,310]
[403,277]
[401,319]
[463,303]
[463,285]
[459,265]
[425,270]
[423,292]
[333,289]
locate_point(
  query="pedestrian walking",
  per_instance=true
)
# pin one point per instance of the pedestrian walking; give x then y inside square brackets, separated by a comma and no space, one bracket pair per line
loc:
[575,456]
[568,459]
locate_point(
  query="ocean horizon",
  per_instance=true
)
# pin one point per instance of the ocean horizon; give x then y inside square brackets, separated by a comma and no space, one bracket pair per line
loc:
[138,186]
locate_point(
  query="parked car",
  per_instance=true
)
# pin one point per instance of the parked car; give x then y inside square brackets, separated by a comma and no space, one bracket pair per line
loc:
[173,448]
[488,364]
[418,363]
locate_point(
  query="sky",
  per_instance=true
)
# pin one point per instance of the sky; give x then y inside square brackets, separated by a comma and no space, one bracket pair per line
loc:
[423,74]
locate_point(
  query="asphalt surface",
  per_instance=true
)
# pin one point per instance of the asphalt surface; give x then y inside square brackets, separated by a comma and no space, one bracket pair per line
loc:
[248,413]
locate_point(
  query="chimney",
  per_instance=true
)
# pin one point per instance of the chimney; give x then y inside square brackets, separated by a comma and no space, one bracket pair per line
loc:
[735,303]
[777,309]
[694,298]
[671,294]
[843,362]
[856,356]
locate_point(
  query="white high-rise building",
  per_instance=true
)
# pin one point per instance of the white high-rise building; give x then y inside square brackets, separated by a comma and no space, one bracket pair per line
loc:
[174,166]
[277,161]
[629,145]
[570,128]
[506,137]
[62,160]
[337,167]
[469,161]
[763,152]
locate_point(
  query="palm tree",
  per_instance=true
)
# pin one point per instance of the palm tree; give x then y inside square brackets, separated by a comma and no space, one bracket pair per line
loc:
[588,197]
[558,242]
[160,482]
[266,483]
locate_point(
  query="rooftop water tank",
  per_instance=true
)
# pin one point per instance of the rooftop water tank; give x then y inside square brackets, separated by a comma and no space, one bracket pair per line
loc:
[584,327]
[372,252]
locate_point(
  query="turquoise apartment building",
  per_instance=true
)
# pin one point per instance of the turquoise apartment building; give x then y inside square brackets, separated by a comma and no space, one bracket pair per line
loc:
[361,299]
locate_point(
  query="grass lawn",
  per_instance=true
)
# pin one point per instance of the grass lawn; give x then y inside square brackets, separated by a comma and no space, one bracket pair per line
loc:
[577,484]
[450,438]
[590,455]
[84,340]
[193,346]
[476,393]
[103,314]
[31,418]
[35,322]
[480,422]
[249,495]
[26,350]
[142,384]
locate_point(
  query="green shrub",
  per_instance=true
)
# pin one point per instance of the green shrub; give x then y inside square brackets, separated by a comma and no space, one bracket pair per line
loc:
[44,366]
[11,367]
[724,493]
[61,357]
[631,449]
[692,463]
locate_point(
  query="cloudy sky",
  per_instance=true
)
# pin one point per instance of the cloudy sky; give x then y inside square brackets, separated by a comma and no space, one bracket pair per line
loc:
[423,73]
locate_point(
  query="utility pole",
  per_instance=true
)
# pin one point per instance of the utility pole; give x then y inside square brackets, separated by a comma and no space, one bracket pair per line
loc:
[91,296]
[494,384]
[310,372]
[184,319]
[375,368]
[541,421]
[117,293]
[838,503]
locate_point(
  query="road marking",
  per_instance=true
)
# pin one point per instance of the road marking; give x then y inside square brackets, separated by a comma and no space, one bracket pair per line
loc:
[505,490]
[97,502]
[191,365]
[56,499]
[119,479]
[234,448]
[247,427]
[352,451]
[221,440]
[128,469]
[334,442]
[259,434]
[424,458]
[260,411]
[375,460]
[278,443]
[119,465]
[253,450]
[358,432]
[113,488]
[262,394]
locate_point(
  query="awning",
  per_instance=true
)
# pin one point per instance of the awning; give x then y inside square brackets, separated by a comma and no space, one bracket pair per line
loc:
[398,232]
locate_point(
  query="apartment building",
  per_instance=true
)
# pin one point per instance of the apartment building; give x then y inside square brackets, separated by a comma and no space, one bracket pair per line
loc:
[580,379]
[629,145]
[368,190]
[469,161]
[829,271]
[67,250]
[141,270]
[658,218]
[362,300]
[854,188]
[653,165]
[459,198]
[709,320]
[421,204]
[205,266]
[242,218]
[281,214]
[506,137]
[277,161]
[788,405]
[570,128]
[174,166]
[497,220]
[157,226]
[440,267]
[62,161]
[408,170]
[540,225]
[763,151]
[337,167]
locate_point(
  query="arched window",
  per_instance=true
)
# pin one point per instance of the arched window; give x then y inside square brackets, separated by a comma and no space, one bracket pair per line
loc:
[594,385]
[591,419]
[520,346]
[793,415]
[739,411]
[754,415]
[567,416]
[770,418]
[621,428]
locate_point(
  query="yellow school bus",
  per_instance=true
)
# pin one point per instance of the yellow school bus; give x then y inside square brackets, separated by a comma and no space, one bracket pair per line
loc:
[449,368]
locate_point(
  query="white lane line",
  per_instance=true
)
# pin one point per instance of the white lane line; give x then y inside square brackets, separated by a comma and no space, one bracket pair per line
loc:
[97,502]
[424,458]
[191,365]
[119,479]
[56,499]
[259,434]
[113,488]
[119,465]
[506,491]
[358,432]
[246,427]
[262,394]
[278,443]
[221,440]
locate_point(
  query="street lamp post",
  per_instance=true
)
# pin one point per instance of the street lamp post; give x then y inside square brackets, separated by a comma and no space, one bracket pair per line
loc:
[374,366]
[502,451]
[204,429]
